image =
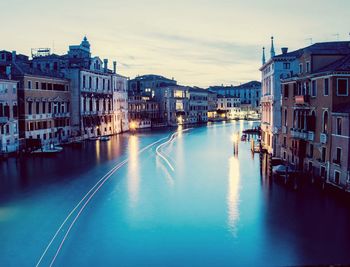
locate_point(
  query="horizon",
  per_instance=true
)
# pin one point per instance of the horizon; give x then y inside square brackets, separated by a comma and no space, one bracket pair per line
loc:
[196,48]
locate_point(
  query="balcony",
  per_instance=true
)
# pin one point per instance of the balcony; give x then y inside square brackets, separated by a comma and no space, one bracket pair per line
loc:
[310,136]
[299,134]
[302,99]
[3,120]
[61,115]
[323,138]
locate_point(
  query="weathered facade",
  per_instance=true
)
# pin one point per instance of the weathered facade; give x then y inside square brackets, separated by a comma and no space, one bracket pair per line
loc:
[315,101]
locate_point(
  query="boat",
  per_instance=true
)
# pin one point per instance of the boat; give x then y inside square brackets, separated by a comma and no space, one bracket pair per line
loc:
[51,150]
[105,138]
[95,138]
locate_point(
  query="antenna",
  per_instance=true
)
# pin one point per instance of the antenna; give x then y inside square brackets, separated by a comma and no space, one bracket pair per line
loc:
[53,46]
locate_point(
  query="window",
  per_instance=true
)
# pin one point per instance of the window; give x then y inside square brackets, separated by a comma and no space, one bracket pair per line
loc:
[36,85]
[314,88]
[323,155]
[338,155]
[300,68]
[342,87]
[285,117]
[37,107]
[336,177]
[325,122]
[311,150]
[307,66]
[326,87]
[286,66]
[29,84]
[44,107]
[84,81]
[285,90]
[30,107]
[339,124]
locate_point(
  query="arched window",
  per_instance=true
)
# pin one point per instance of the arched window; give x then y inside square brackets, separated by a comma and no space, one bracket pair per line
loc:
[325,122]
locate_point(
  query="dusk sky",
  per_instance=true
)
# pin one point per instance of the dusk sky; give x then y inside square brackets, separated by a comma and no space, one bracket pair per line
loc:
[197,42]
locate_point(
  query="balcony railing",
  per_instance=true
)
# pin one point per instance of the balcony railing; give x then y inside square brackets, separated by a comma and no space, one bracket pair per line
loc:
[323,138]
[61,115]
[299,134]
[302,99]
[3,120]
[310,136]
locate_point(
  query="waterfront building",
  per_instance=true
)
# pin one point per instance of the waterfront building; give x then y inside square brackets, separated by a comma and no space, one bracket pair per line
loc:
[212,105]
[44,102]
[198,105]
[315,112]
[228,107]
[8,115]
[93,97]
[143,112]
[174,104]
[277,67]
[249,95]
[145,85]
[120,103]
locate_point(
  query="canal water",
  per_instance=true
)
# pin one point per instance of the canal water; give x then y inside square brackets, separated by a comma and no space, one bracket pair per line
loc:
[157,199]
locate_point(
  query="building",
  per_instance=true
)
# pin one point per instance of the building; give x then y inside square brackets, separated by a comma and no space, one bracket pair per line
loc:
[93,97]
[212,105]
[198,105]
[249,95]
[277,67]
[228,107]
[44,102]
[146,84]
[143,112]
[315,100]
[120,103]
[8,115]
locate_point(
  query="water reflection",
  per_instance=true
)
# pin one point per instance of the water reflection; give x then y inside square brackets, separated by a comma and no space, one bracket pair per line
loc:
[98,152]
[233,194]
[160,165]
[133,170]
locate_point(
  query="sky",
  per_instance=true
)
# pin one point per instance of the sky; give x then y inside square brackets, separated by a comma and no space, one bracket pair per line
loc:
[197,42]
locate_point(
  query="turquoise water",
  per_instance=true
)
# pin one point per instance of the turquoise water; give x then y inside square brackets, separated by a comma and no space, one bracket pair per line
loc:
[195,204]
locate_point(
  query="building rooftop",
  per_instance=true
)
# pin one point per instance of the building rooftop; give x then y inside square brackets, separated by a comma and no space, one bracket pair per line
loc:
[342,64]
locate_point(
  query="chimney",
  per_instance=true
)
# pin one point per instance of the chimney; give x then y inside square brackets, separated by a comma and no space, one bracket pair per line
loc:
[13,56]
[8,72]
[284,50]
[105,63]
[115,66]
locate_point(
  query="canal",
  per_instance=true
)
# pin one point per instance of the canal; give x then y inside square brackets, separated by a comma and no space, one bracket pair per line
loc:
[164,199]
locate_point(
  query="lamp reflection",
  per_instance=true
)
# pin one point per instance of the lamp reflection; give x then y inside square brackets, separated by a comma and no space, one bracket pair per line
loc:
[233,194]
[133,170]
[98,151]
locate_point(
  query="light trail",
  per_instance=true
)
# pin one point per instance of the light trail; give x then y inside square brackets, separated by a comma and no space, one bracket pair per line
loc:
[101,181]
[167,142]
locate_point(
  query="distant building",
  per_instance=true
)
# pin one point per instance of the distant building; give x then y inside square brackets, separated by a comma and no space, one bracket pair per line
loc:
[8,115]
[249,95]
[228,106]
[315,113]
[143,113]
[198,105]
[212,105]
[146,84]
[120,103]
